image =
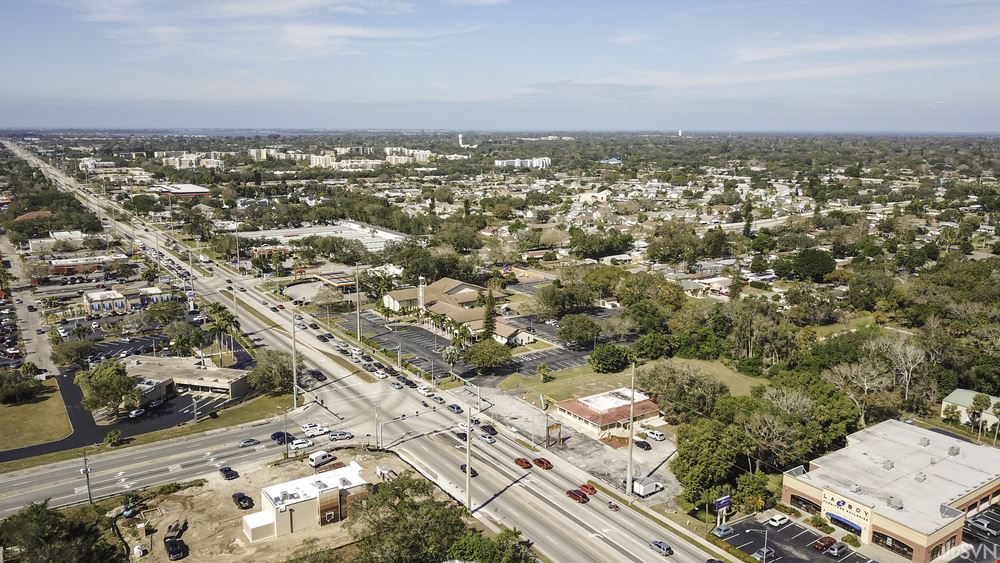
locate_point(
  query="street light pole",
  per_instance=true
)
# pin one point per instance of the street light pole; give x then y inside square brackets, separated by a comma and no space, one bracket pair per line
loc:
[468,460]
[295,368]
[357,303]
[284,428]
[631,437]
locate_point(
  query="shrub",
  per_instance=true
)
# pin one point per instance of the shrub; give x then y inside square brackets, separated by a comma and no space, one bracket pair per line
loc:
[820,524]
[730,549]
[791,511]
[851,540]
[760,285]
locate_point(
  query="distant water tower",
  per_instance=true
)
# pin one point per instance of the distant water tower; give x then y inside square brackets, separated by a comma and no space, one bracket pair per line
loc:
[680,133]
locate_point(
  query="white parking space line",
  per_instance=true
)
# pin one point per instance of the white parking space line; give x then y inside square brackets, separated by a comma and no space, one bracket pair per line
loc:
[744,545]
[804,531]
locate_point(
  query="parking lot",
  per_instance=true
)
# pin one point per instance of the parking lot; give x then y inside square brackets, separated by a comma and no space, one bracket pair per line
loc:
[555,358]
[982,548]
[790,542]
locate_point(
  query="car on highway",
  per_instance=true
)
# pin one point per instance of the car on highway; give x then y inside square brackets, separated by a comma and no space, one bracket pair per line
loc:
[248,442]
[778,520]
[309,426]
[425,391]
[661,547]
[643,445]
[589,489]
[315,326]
[395,385]
[463,426]
[340,435]
[318,376]
[723,531]
[383,375]
[282,437]
[438,399]
[175,547]
[322,338]
[462,436]
[300,444]
[487,438]
[263,301]
[242,501]
[136,413]
[578,496]
[228,473]
[274,309]
[489,430]
[455,408]
[822,544]
[301,326]
[523,463]
[317,431]
[542,462]
[472,471]
[763,553]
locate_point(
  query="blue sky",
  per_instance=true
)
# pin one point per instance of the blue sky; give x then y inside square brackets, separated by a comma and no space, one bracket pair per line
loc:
[836,65]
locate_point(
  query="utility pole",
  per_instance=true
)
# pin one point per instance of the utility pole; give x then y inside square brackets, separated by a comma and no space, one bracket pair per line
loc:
[631,437]
[295,367]
[357,301]
[86,473]
[194,401]
[284,428]
[468,460]
[378,443]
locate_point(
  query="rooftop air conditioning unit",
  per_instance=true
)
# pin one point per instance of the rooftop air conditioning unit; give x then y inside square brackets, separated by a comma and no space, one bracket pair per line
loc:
[925,442]
[855,488]
[920,476]
[887,464]
[953,450]
[894,502]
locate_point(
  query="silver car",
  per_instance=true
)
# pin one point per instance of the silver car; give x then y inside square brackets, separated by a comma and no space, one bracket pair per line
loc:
[341,435]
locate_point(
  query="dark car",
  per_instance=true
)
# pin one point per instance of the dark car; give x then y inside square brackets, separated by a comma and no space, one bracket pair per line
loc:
[242,501]
[176,549]
[280,437]
[318,376]
[462,436]
[455,408]
[228,473]
[472,472]
[322,338]
[274,309]
[578,496]
[314,326]
[643,445]
[32,308]
[823,543]
[487,429]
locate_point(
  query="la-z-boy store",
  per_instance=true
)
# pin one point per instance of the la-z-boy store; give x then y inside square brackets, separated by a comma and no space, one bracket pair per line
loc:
[905,489]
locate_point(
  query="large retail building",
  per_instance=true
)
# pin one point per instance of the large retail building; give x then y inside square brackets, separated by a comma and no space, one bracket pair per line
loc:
[904,488]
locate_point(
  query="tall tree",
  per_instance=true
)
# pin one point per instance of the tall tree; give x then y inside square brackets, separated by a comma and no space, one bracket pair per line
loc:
[487,354]
[108,386]
[490,315]
[386,523]
[860,382]
[44,535]
[273,371]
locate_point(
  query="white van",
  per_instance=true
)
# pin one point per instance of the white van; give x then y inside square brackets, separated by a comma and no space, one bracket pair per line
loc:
[319,458]
[655,435]
[355,352]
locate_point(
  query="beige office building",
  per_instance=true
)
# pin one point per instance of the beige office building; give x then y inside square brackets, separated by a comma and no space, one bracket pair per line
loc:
[904,488]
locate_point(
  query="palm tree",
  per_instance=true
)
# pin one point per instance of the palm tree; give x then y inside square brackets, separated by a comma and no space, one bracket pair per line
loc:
[216,331]
[80,331]
[5,279]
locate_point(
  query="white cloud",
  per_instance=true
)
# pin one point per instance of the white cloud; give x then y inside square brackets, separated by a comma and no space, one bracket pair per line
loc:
[928,37]
[284,8]
[477,2]
[629,39]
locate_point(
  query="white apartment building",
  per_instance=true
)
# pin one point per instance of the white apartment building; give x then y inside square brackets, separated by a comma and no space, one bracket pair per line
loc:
[539,162]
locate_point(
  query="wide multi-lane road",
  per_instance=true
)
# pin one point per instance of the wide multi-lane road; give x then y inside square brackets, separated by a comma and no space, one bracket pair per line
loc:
[533,501]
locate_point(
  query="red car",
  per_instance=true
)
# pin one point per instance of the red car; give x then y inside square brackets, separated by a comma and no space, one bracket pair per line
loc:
[523,463]
[823,543]
[542,462]
[577,496]
[589,489]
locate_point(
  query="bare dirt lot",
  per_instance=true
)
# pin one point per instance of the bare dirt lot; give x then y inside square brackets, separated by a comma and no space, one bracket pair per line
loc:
[215,524]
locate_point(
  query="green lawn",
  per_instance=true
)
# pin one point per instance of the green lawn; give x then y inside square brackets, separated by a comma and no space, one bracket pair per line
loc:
[47,416]
[583,380]
[254,409]
[533,347]
[858,322]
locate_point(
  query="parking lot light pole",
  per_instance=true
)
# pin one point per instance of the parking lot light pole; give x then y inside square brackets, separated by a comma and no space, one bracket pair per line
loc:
[631,438]
[295,368]
[86,474]
[468,460]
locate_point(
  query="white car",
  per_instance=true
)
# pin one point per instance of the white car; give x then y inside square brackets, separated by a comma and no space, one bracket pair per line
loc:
[778,520]
[318,431]
[300,444]
[95,325]
[380,374]
[62,332]
[463,427]
[136,413]
[487,438]
[309,426]
[425,391]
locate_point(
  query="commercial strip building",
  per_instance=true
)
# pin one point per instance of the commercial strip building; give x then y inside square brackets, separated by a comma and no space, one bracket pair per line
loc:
[540,163]
[192,373]
[374,238]
[307,503]
[605,413]
[85,264]
[124,299]
[904,488]
[179,190]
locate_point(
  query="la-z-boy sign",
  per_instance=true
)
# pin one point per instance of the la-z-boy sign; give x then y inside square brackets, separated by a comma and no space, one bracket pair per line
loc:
[849,508]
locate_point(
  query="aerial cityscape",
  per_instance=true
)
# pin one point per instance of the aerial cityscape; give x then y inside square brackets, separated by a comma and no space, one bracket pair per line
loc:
[492,281]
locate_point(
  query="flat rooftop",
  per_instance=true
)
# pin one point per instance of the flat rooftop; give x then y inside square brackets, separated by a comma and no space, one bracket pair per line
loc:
[604,402]
[307,488]
[374,238]
[184,371]
[915,466]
